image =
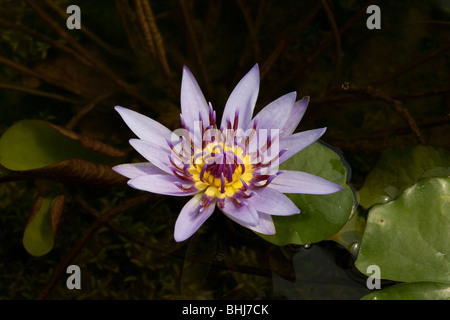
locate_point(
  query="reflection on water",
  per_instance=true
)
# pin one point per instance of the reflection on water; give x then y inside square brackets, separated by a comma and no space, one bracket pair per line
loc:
[250,268]
[324,271]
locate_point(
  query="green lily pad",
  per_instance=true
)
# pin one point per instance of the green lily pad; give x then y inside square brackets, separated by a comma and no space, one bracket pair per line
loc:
[321,215]
[412,291]
[40,231]
[45,150]
[409,238]
[400,168]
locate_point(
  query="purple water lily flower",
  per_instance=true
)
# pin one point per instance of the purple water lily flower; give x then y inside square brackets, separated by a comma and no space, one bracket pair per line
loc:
[233,166]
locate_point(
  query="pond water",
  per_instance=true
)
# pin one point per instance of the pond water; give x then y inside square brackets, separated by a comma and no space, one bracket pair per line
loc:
[377,79]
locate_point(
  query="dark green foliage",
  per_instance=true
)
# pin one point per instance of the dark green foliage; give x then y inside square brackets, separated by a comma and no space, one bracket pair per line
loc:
[386,89]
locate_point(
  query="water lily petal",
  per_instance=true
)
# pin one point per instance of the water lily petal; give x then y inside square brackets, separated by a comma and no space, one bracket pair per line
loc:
[134,170]
[301,182]
[294,117]
[242,99]
[276,113]
[192,101]
[245,215]
[273,202]
[153,153]
[265,224]
[144,127]
[190,218]
[298,141]
[170,171]
[161,184]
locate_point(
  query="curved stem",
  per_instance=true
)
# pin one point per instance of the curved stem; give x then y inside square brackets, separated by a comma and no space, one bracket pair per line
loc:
[98,64]
[101,220]
[337,40]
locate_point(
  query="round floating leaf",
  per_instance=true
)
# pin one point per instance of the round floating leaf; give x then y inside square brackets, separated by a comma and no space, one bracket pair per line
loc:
[412,291]
[409,238]
[400,168]
[40,231]
[321,215]
[45,150]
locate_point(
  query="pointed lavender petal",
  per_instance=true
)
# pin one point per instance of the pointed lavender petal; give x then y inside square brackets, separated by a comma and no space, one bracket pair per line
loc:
[265,224]
[161,184]
[294,117]
[242,99]
[190,218]
[134,170]
[298,141]
[301,182]
[192,101]
[153,153]
[245,215]
[144,127]
[276,113]
[273,202]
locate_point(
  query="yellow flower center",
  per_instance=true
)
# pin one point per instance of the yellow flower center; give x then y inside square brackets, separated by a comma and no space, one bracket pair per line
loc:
[221,170]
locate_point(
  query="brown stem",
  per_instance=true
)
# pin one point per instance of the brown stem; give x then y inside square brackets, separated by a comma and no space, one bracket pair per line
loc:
[85,110]
[252,28]
[286,41]
[56,82]
[398,107]
[412,65]
[157,37]
[101,220]
[89,34]
[146,29]
[325,44]
[97,64]
[172,250]
[192,39]
[420,94]
[337,40]
[45,38]
[352,96]
[38,93]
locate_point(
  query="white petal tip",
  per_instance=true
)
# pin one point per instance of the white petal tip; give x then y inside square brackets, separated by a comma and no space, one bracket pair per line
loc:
[116,169]
[187,71]
[255,69]
[119,108]
[304,101]
[179,239]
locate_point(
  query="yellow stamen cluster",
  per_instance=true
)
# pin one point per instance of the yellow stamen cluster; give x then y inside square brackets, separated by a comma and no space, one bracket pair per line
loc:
[221,171]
